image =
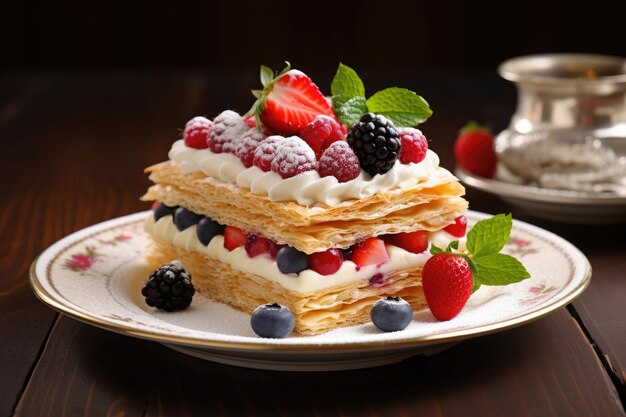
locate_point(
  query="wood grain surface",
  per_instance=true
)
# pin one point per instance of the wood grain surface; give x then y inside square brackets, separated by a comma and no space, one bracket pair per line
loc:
[75,145]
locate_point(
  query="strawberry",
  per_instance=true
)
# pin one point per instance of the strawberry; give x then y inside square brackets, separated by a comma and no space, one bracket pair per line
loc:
[414,242]
[369,252]
[474,151]
[234,237]
[447,283]
[289,101]
[256,245]
[327,262]
[457,228]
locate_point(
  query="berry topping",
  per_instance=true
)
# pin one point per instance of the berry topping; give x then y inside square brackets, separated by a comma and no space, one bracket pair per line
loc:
[256,245]
[447,283]
[376,143]
[327,262]
[272,320]
[169,288]
[207,229]
[161,210]
[265,152]
[184,218]
[369,252]
[248,144]
[414,242]
[196,132]
[391,314]
[293,156]
[339,161]
[274,248]
[457,228]
[414,145]
[290,101]
[291,261]
[474,150]
[228,127]
[321,132]
[234,237]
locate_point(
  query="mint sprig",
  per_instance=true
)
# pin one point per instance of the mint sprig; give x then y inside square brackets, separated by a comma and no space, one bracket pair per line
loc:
[484,242]
[403,107]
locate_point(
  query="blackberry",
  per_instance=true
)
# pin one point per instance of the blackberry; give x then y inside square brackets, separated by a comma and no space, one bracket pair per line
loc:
[375,142]
[169,288]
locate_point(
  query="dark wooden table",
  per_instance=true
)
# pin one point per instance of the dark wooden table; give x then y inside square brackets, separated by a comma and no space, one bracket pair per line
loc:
[73,149]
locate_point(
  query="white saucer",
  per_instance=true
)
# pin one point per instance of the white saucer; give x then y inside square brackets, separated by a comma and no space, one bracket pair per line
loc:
[556,205]
[95,275]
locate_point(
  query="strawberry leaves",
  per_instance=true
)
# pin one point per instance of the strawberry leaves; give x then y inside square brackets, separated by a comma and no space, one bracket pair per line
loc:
[403,107]
[484,242]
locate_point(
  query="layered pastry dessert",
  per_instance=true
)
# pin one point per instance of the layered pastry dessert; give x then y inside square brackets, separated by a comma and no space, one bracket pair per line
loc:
[299,205]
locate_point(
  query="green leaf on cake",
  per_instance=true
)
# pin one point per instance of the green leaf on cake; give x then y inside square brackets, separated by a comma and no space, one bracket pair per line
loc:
[346,85]
[267,75]
[352,110]
[403,107]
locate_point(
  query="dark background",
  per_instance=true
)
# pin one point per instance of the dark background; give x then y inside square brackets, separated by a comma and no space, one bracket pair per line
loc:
[313,35]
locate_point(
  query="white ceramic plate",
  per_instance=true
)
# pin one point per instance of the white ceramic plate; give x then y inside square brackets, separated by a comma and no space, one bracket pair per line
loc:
[95,275]
[556,205]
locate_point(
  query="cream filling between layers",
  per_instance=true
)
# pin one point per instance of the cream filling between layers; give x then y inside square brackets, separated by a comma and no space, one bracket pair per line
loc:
[307,281]
[307,188]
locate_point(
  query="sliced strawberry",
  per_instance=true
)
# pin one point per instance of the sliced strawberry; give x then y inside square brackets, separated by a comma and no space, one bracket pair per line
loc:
[457,228]
[369,252]
[414,242]
[327,262]
[290,101]
[234,237]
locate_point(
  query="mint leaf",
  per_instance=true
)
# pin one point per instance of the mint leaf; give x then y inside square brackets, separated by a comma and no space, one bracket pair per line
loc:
[499,269]
[339,100]
[267,75]
[347,83]
[403,107]
[434,249]
[489,236]
[352,110]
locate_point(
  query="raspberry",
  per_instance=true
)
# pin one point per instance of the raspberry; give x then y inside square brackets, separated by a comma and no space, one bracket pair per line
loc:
[320,133]
[265,152]
[196,132]
[339,161]
[248,144]
[293,157]
[414,145]
[227,130]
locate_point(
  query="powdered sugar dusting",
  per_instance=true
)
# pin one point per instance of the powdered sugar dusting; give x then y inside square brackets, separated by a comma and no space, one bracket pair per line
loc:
[339,161]
[228,127]
[248,144]
[265,152]
[293,157]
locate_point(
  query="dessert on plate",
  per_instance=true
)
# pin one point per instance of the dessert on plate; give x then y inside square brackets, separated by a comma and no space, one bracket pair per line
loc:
[321,205]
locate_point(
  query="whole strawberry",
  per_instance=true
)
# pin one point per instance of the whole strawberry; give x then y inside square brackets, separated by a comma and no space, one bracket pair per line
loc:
[447,283]
[450,276]
[474,151]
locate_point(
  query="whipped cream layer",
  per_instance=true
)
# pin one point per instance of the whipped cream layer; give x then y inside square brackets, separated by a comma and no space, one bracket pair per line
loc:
[307,188]
[306,281]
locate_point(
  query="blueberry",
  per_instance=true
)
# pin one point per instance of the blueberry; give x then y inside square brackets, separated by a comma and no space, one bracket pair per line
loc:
[291,261]
[162,210]
[272,320]
[184,218]
[391,314]
[208,228]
